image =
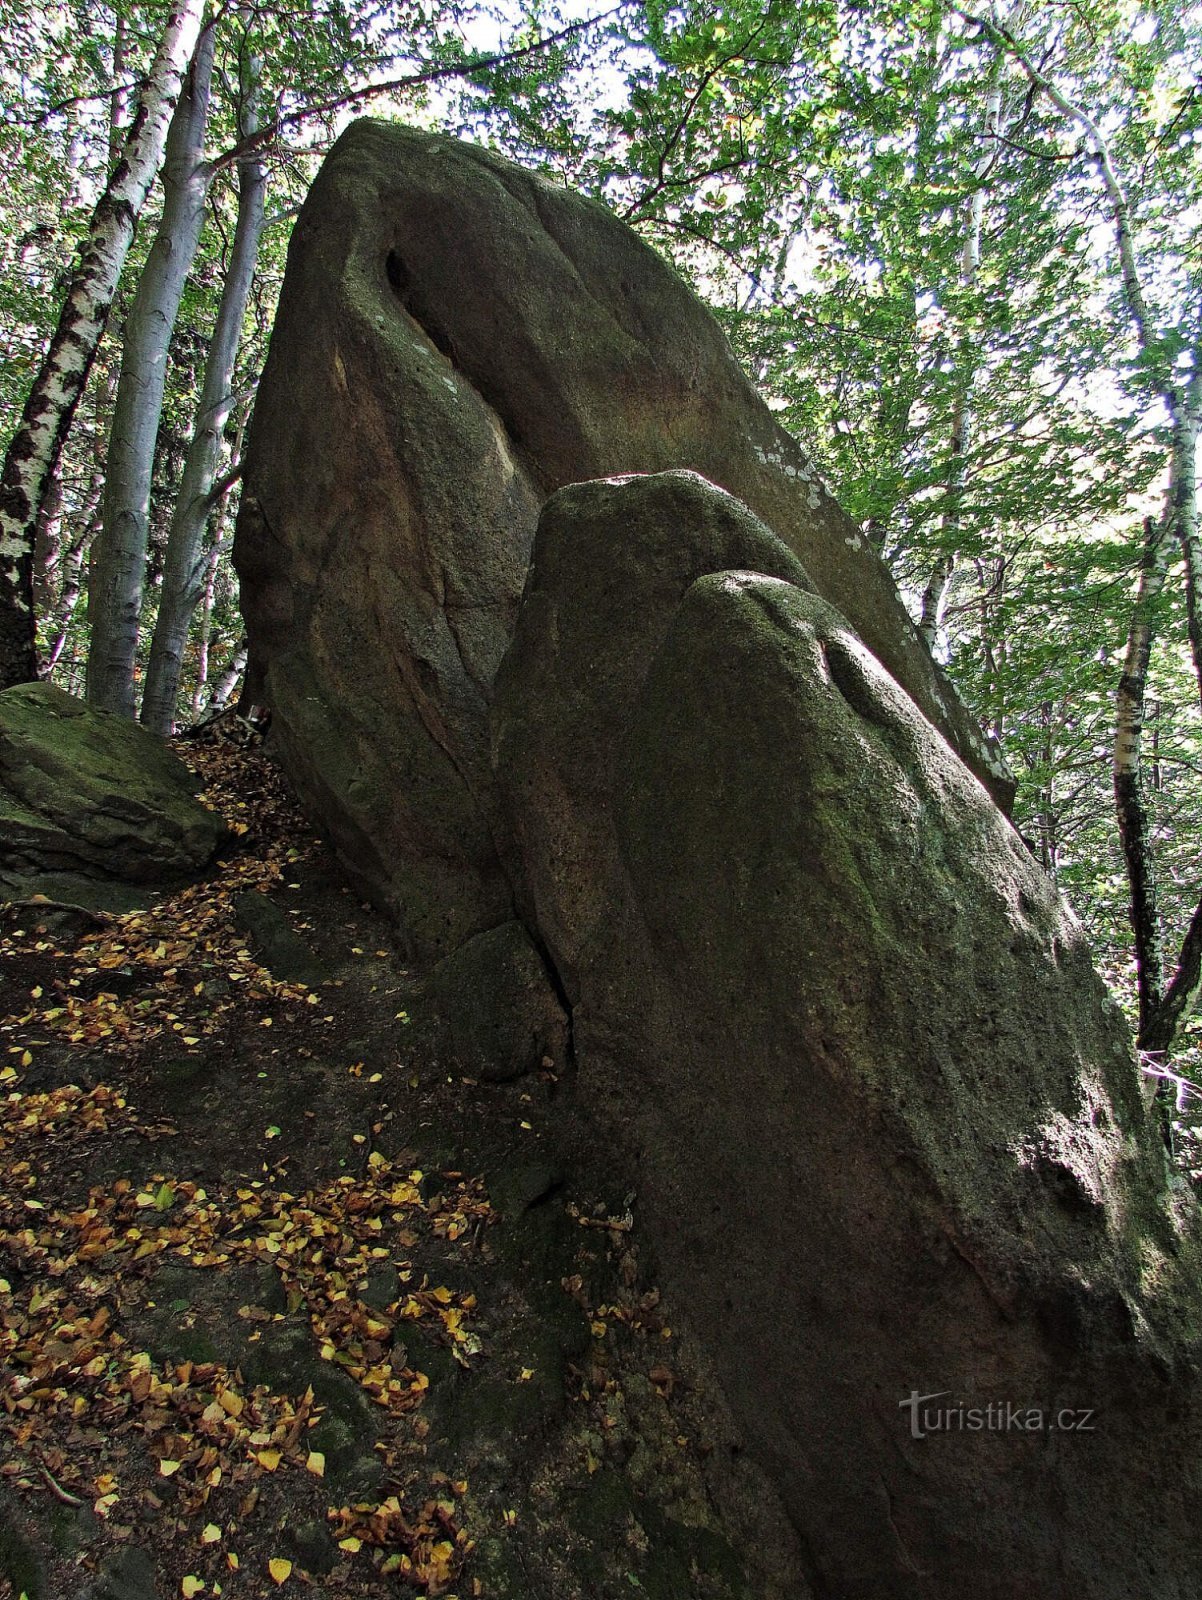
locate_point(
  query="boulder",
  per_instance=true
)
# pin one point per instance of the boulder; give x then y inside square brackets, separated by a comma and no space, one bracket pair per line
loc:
[499,1015]
[89,800]
[611,598]
[456,339]
[885,1124]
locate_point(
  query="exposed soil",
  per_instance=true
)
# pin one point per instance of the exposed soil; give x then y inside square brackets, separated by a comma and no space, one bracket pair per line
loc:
[284,1305]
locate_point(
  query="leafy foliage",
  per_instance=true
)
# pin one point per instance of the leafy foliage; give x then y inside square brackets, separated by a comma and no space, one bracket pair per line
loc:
[905,222]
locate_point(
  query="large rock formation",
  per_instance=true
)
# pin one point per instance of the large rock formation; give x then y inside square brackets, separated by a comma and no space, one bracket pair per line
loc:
[456,339]
[90,803]
[689,760]
[887,1127]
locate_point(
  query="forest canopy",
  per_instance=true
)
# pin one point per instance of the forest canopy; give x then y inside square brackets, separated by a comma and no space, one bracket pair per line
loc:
[957,247]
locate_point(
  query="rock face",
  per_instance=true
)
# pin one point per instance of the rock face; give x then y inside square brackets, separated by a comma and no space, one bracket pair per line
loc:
[674,773]
[888,1130]
[503,1019]
[87,798]
[560,719]
[457,339]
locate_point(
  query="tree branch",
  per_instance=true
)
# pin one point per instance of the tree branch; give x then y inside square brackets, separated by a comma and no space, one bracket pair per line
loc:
[1137,305]
[413,80]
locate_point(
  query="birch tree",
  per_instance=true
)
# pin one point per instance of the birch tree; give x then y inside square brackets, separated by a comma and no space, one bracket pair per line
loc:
[186,571]
[1169,373]
[119,553]
[34,450]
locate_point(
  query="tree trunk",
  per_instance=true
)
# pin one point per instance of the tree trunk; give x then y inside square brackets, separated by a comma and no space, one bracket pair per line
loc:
[119,559]
[184,571]
[1161,1010]
[34,451]
[938,586]
[228,679]
[118,106]
[70,591]
[1159,1033]
[1129,805]
[47,543]
[934,596]
[204,637]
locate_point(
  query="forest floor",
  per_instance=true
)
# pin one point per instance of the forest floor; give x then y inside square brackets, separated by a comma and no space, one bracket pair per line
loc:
[286,1307]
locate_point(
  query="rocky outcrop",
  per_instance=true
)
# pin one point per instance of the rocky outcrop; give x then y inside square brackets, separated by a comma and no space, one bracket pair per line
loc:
[887,1128]
[501,1014]
[89,801]
[456,339]
[675,774]
[562,714]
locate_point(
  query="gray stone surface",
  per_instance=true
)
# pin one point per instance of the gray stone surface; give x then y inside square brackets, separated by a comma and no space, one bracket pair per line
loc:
[125,1575]
[886,1124]
[501,1016]
[276,942]
[85,795]
[456,339]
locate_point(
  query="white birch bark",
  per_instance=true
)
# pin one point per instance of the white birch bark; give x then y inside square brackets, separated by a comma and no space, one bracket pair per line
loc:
[184,571]
[119,555]
[37,444]
[228,679]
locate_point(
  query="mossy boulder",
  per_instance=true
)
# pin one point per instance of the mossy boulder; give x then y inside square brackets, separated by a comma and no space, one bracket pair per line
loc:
[89,798]
[885,1125]
[456,339]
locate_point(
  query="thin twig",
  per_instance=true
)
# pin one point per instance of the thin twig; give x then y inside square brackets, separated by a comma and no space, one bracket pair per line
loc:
[57,1490]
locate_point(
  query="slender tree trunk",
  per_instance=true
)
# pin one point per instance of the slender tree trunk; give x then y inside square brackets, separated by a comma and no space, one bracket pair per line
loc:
[205,636]
[1130,809]
[119,558]
[229,678]
[118,105]
[934,598]
[47,542]
[1182,993]
[185,568]
[1161,1010]
[37,444]
[71,589]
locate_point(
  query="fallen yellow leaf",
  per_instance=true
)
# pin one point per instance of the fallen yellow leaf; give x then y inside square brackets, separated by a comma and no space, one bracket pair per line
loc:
[351,1545]
[269,1460]
[279,1568]
[210,1534]
[190,1586]
[316,1463]
[167,1468]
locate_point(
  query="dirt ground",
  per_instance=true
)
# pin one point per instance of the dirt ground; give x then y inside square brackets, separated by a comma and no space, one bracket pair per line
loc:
[286,1306]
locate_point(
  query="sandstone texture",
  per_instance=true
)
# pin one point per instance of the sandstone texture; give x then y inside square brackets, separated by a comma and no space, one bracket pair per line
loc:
[604,699]
[503,1019]
[456,339]
[887,1128]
